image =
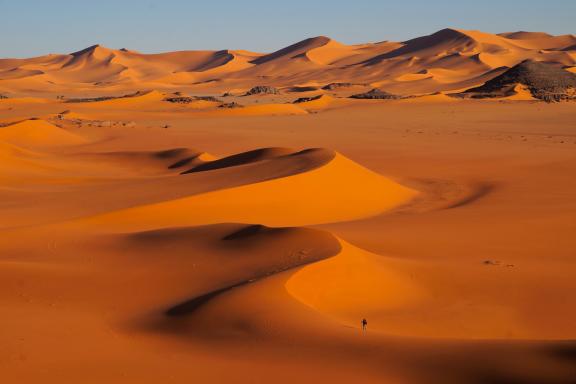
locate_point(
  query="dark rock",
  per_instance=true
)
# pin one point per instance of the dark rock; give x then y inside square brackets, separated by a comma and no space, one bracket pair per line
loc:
[376,94]
[334,86]
[104,98]
[230,105]
[207,98]
[306,99]
[262,90]
[189,99]
[302,89]
[179,99]
[545,81]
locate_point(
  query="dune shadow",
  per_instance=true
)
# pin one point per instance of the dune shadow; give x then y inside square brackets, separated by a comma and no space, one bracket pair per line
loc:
[293,248]
[240,159]
[253,230]
[566,351]
[479,191]
[192,305]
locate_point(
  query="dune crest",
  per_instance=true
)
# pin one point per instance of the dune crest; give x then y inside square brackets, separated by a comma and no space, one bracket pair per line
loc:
[312,187]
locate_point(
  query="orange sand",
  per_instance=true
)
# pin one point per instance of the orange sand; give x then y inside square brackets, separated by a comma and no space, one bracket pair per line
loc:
[143,241]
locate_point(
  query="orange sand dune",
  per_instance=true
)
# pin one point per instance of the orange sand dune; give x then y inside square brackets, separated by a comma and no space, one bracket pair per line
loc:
[98,70]
[37,133]
[330,189]
[355,284]
[128,254]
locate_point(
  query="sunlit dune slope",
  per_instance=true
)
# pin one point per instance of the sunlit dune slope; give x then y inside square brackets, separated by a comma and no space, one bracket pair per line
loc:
[37,134]
[424,299]
[353,285]
[316,186]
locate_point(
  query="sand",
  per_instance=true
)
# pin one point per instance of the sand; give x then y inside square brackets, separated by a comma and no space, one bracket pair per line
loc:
[144,241]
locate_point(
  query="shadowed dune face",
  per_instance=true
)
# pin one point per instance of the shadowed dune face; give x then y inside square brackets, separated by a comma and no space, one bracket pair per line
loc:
[240,159]
[292,247]
[206,261]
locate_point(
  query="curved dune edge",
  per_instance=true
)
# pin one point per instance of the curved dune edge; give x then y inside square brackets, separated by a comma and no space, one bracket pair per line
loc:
[38,133]
[397,297]
[340,190]
[352,285]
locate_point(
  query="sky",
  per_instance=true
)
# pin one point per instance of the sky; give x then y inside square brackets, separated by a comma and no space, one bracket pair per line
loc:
[36,27]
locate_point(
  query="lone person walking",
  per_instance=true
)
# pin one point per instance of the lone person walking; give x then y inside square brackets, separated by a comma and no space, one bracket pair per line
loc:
[364,324]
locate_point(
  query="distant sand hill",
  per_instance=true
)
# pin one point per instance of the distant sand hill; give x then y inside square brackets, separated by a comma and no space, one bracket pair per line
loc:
[448,60]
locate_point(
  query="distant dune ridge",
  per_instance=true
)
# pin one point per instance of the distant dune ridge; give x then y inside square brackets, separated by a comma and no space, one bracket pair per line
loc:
[448,60]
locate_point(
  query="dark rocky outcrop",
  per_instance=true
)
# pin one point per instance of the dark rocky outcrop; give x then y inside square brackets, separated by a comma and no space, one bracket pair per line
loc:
[207,98]
[180,99]
[262,90]
[189,99]
[104,98]
[231,105]
[376,94]
[335,86]
[306,99]
[545,81]
[302,89]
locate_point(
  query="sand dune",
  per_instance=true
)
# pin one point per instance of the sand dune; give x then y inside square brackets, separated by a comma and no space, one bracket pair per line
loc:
[302,188]
[157,225]
[340,290]
[37,133]
[133,243]
[353,285]
[319,60]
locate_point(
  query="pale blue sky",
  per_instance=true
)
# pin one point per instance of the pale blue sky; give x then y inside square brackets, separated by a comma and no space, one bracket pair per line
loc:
[35,27]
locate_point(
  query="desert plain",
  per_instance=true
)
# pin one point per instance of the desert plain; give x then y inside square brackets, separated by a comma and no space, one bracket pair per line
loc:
[231,216]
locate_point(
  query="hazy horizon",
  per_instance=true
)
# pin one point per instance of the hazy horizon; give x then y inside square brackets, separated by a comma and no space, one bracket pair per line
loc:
[38,28]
